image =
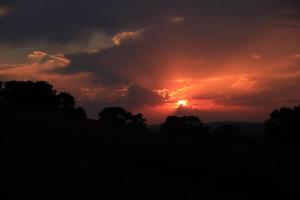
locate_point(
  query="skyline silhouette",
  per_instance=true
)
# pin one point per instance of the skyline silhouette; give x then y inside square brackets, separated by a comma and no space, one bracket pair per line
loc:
[158,99]
[50,146]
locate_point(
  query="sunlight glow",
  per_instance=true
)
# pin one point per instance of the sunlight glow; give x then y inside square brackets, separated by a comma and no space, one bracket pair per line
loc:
[183,103]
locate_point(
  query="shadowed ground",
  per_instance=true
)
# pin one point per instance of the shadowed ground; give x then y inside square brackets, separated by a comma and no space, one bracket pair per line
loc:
[49,151]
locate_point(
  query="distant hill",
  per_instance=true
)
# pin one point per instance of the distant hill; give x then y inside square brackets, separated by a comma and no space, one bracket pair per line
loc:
[154,127]
[247,128]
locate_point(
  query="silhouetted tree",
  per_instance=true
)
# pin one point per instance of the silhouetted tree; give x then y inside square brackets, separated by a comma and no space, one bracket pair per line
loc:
[80,112]
[138,121]
[117,117]
[284,124]
[40,94]
[28,93]
[1,91]
[66,102]
[187,125]
[227,132]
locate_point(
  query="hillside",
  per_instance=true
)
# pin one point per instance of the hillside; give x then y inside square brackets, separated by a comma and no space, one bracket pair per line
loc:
[53,152]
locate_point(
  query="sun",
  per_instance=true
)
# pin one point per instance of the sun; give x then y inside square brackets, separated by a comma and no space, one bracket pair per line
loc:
[182,103]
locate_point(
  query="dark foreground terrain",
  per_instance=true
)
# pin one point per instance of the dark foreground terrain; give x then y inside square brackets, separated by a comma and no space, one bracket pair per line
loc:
[47,152]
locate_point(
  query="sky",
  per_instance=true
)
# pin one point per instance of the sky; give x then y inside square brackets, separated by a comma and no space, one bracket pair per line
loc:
[221,60]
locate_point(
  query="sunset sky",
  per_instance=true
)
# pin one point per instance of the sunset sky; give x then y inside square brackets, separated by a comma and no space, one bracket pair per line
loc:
[221,60]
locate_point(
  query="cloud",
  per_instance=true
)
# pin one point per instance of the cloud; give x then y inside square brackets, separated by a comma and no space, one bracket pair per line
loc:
[181,69]
[45,20]
[135,97]
[48,61]
[119,38]
[38,61]
[132,97]
[39,67]
[91,93]
[244,83]
[250,100]
[86,86]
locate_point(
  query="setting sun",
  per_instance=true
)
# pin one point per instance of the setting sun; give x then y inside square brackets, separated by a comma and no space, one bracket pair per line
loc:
[182,103]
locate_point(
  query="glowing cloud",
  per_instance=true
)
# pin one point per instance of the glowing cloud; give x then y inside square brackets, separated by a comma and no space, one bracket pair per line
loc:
[38,68]
[90,93]
[244,84]
[119,38]
[46,60]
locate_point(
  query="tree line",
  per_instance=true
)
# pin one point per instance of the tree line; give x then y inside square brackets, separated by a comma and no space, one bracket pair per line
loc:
[40,94]
[283,124]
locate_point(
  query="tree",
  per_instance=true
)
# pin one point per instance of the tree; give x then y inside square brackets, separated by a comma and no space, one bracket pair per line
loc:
[187,125]
[138,121]
[28,93]
[284,124]
[66,102]
[117,117]
[80,112]
[40,94]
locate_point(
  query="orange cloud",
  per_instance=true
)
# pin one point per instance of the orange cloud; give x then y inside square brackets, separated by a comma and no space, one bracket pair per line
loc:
[39,68]
[90,93]
[172,94]
[48,61]
[119,38]
[244,83]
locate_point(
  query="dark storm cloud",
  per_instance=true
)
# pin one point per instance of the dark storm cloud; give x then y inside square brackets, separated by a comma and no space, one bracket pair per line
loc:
[138,97]
[249,100]
[213,29]
[133,98]
[119,63]
[66,21]
[258,99]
